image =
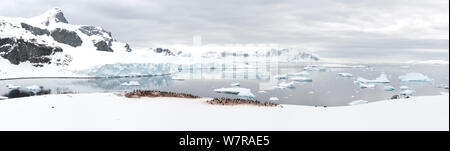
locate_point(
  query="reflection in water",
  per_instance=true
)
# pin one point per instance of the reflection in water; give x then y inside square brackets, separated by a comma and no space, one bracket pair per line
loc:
[327,89]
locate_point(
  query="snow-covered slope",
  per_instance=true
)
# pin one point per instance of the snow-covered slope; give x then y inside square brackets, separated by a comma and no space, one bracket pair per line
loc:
[50,39]
[106,111]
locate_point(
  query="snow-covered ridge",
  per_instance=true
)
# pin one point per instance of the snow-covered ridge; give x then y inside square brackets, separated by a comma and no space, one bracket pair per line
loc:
[112,112]
[52,29]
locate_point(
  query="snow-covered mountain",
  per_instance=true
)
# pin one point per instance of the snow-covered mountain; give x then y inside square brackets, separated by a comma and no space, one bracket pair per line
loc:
[50,39]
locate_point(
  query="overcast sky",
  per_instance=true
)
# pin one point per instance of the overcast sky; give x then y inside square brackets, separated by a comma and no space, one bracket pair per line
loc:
[411,29]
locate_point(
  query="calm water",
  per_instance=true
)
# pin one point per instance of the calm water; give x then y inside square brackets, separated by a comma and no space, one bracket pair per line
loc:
[327,89]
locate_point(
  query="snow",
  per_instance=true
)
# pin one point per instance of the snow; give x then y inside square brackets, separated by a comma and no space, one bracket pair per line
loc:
[388,88]
[3,98]
[262,92]
[345,74]
[414,77]
[284,85]
[107,111]
[241,92]
[12,86]
[301,79]
[380,79]
[131,83]
[34,88]
[358,102]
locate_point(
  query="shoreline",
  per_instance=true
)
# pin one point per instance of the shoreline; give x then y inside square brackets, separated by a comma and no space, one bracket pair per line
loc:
[108,111]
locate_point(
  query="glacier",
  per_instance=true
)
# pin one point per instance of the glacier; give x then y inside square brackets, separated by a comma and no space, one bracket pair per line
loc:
[119,69]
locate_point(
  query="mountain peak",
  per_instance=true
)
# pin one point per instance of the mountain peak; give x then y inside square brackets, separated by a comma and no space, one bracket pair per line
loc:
[54,15]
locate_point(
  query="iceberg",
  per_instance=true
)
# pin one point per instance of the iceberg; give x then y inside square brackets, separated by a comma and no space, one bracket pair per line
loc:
[414,77]
[407,92]
[380,79]
[34,88]
[131,83]
[12,86]
[274,99]
[404,88]
[444,86]
[301,79]
[284,85]
[241,92]
[366,85]
[262,92]
[303,74]
[236,84]
[345,74]
[388,88]
[279,77]
[358,102]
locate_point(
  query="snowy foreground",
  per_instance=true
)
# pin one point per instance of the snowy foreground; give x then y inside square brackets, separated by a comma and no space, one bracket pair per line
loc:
[107,111]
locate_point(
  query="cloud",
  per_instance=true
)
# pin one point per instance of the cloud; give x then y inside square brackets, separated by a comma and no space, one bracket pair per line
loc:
[382,27]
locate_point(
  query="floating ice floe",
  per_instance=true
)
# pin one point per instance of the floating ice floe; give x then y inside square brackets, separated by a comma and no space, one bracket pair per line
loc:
[303,73]
[274,99]
[131,83]
[314,68]
[301,79]
[236,84]
[284,85]
[380,79]
[262,92]
[12,86]
[34,88]
[444,86]
[3,98]
[404,88]
[414,77]
[358,102]
[388,88]
[241,92]
[345,74]
[283,76]
[311,92]
[366,85]
[407,92]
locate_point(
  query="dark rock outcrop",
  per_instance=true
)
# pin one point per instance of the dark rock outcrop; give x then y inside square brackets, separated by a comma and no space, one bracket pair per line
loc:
[19,50]
[128,48]
[166,52]
[35,30]
[66,37]
[103,46]
[55,15]
[91,30]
